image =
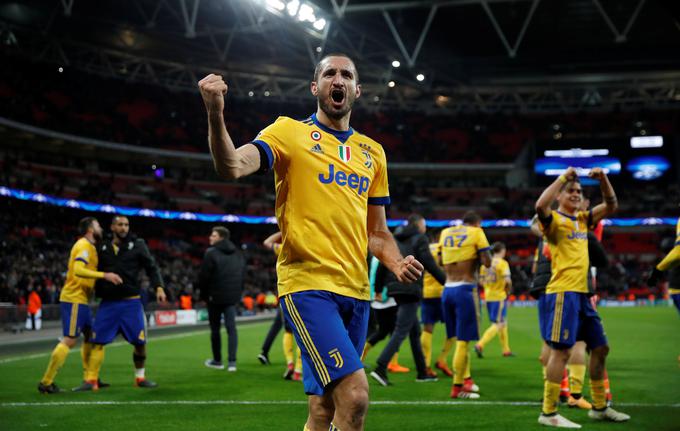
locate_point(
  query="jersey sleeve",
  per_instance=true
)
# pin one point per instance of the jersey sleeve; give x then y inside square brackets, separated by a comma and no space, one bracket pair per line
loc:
[503,269]
[482,243]
[273,141]
[378,192]
[549,226]
[82,252]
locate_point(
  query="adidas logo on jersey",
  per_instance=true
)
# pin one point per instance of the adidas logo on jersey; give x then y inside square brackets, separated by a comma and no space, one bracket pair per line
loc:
[316,149]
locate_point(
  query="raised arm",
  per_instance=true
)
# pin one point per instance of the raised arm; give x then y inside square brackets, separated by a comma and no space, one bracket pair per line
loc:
[229,162]
[550,193]
[381,243]
[271,240]
[610,204]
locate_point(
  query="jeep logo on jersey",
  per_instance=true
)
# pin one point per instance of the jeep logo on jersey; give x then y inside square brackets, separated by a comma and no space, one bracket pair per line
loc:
[341,178]
[345,153]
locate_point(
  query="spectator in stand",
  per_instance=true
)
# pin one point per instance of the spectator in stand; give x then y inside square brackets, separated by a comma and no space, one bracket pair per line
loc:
[221,283]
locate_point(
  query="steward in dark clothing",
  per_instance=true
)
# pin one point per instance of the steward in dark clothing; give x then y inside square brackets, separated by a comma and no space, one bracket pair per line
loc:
[220,282]
[411,240]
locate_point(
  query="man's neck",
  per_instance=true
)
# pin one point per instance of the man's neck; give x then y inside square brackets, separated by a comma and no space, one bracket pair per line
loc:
[90,237]
[116,240]
[567,211]
[341,124]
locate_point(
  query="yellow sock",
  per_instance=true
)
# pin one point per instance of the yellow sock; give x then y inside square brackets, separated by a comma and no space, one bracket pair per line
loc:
[460,362]
[298,361]
[367,347]
[395,359]
[85,350]
[551,394]
[598,393]
[57,359]
[306,428]
[577,374]
[448,344]
[505,340]
[426,342]
[545,373]
[96,360]
[488,335]
[467,374]
[333,428]
[288,343]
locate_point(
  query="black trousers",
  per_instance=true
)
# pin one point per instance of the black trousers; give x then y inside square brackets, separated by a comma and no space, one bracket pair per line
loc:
[215,313]
[278,323]
[407,325]
[386,319]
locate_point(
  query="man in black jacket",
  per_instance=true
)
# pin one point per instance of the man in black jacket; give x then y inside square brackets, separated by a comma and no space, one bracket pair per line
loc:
[411,240]
[220,282]
[121,310]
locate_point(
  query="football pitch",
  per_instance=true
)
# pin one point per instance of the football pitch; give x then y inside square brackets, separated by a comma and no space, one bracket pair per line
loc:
[643,368]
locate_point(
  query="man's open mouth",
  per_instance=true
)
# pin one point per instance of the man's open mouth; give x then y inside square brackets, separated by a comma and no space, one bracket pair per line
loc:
[338,96]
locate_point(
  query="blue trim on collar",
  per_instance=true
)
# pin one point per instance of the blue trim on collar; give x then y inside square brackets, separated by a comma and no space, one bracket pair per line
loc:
[340,135]
[566,215]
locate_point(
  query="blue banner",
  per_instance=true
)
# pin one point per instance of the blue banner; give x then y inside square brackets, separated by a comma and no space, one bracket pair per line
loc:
[231,218]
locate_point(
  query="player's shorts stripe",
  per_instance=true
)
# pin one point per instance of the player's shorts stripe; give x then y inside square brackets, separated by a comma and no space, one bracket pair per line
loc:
[557,317]
[475,298]
[307,341]
[499,317]
[74,320]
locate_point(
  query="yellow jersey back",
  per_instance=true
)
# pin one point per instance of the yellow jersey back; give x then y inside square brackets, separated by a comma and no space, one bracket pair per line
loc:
[567,238]
[325,180]
[431,287]
[460,243]
[76,289]
[493,279]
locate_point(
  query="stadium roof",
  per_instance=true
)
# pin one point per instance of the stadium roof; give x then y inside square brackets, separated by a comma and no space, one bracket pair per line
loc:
[474,55]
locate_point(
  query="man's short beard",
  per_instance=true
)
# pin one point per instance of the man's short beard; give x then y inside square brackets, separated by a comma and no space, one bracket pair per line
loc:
[97,236]
[325,106]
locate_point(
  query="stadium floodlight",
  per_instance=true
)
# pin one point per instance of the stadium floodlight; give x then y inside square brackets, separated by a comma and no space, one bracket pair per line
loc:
[420,77]
[305,13]
[577,152]
[391,84]
[396,63]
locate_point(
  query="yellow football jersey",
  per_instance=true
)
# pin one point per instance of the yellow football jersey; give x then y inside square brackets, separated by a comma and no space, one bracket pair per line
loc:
[672,258]
[276,248]
[325,180]
[568,242]
[493,279]
[459,243]
[77,289]
[431,287]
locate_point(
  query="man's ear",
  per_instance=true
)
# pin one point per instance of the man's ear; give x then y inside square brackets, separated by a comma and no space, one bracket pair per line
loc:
[314,89]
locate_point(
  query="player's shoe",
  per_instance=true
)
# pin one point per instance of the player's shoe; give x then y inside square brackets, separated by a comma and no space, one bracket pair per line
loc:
[380,377]
[141,382]
[426,378]
[441,366]
[264,359]
[48,389]
[211,363]
[231,367]
[470,386]
[297,376]
[508,355]
[459,393]
[396,368]
[580,403]
[290,370]
[102,384]
[479,351]
[87,385]
[557,421]
[608,414]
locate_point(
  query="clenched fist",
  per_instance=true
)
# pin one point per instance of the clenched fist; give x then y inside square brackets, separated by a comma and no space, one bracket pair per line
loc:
[570,174]
[213,88]
[596,173]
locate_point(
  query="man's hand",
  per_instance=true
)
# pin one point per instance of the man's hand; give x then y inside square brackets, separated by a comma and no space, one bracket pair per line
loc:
[213,88]
[160,295]
[596,174]
[570,174]
[113,278]
[409,270]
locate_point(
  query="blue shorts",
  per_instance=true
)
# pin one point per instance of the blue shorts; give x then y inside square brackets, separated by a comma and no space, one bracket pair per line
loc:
[125,317]
[460,307]
[541,315]
[570,317]
[75,318]
[676,300]
[498,310]
[331,332]
[431,312]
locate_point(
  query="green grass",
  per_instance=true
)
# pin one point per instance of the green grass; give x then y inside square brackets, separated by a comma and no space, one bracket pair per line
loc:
[643,366]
